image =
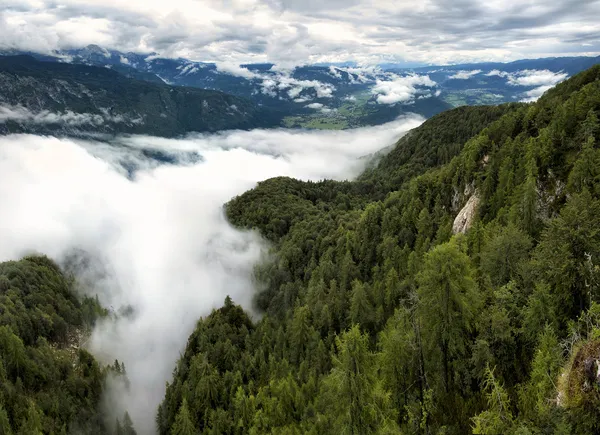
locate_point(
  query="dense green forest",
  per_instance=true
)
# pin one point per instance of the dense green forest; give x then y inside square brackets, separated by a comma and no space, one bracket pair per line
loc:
[378,317]
[48,383]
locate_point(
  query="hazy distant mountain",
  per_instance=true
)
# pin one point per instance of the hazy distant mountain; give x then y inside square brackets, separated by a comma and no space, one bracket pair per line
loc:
[344,95]
[51,97]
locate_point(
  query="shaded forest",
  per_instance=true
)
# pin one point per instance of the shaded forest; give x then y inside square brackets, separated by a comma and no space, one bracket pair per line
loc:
[378,317]
[48,382]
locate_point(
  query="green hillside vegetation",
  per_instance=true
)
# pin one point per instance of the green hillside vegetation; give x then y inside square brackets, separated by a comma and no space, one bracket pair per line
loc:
[48,383]
[378,319]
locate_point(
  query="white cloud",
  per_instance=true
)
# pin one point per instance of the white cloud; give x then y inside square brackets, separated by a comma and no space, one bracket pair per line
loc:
[283,81]
[335,72]
[294,32]
[236,70]
[536,78]
[401,89]
[541,80]
[22,115]
[315,106]
[158,241]
[464,75]
[498,73]
[534,94]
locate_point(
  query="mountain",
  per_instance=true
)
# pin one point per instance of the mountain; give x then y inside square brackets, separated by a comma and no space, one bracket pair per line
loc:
[344,96]
[60,98]
[48,382]
[453,288]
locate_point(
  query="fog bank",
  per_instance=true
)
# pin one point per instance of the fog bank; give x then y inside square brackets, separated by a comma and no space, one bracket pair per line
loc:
[148,214]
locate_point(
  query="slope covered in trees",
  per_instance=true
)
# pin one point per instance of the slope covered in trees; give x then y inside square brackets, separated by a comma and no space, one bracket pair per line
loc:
[48,383]
[378,319]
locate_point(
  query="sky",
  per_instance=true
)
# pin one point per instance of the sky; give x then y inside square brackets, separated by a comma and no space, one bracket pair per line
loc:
[309,31]
[158,241]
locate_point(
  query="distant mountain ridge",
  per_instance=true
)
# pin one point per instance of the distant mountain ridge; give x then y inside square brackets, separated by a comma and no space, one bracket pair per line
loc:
[328,97]
[62,98]
[343,95]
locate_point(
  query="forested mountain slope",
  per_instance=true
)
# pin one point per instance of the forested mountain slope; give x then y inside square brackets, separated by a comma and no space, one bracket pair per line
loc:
[48,383]
[378,319]
[59,98]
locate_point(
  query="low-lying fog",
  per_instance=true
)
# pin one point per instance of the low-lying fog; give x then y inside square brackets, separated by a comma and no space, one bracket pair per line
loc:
[148,213]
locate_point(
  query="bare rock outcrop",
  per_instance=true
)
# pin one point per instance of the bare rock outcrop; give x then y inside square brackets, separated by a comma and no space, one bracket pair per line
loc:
[466,216]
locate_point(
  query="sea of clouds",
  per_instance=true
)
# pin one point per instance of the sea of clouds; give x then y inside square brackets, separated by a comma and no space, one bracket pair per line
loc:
[149,232]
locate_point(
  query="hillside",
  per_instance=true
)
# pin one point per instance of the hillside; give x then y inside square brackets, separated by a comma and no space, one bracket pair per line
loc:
[48,382]
[59,98]
[381,316]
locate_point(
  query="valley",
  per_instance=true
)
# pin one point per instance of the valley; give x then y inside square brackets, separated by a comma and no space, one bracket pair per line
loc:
[299,217]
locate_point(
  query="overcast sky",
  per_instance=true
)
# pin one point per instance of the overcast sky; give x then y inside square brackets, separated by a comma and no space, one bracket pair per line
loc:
[310,31]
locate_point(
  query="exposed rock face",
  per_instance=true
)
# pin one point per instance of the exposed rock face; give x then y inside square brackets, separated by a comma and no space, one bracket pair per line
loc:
[465,217]
[579,384]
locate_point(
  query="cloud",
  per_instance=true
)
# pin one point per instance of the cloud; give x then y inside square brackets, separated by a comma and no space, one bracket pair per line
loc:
[295,32]
[401,89]
[464,75]
[284,82]
[22,115]
[536,78]
[497,73]
[534,94]
[541,80]
[157,239]
[314,106]
[236,70]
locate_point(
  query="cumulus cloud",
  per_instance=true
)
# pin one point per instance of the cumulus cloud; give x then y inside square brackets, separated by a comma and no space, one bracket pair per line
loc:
[498,73]
[464,75]
[236,70]
[293,87]
[402,89]
[25,116]
[315,106]
[534,94]
[157,239]
[295,31]
[541,80]
[536,78]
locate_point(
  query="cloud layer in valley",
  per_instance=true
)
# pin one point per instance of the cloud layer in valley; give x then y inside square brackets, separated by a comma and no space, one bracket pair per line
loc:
[464,75]
[25,116]
[310,31]
[541,79]
[158,240]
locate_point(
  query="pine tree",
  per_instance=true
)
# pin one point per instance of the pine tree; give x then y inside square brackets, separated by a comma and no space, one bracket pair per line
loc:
[361,405]
[498,418]
[361,310]
[32,424]
[5,428]
[128,425]
[183,422]
[447,305]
